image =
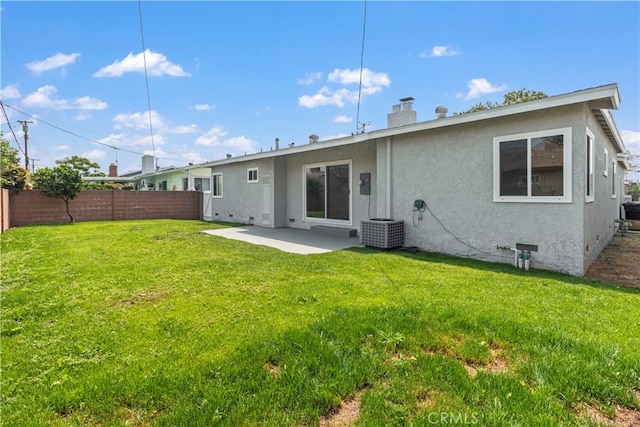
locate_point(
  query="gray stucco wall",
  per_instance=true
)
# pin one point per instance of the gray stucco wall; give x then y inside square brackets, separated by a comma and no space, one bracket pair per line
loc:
[600,214]
[241,201]
[363,158]
[452,170]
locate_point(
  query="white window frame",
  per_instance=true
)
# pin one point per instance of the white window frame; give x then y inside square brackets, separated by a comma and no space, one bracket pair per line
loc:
[567,144]
[256,178]
[589,161]
[605,170]
[304,192]
[614,185]
[217,176]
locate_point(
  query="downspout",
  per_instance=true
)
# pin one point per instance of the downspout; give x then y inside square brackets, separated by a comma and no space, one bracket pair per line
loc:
[388,212]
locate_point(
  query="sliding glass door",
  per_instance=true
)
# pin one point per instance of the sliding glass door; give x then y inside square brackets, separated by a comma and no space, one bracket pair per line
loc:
[327,194]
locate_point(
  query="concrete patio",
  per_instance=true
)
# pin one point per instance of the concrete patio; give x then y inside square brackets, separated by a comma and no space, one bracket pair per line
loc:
[291,240]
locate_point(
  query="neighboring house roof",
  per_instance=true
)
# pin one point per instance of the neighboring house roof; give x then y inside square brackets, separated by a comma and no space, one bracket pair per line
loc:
[601,99]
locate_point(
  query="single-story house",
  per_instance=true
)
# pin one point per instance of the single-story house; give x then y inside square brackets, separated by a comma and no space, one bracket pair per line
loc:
[543,176]
[186,178]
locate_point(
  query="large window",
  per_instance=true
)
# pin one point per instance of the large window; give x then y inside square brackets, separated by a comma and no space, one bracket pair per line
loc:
[216,191]
[533,167]
[327,191]
[590,162]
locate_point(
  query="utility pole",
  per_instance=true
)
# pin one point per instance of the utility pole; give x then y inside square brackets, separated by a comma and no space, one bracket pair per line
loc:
[33,164]
[25,129]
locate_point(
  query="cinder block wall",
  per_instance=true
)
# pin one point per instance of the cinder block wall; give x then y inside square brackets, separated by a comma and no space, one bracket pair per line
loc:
[32,207]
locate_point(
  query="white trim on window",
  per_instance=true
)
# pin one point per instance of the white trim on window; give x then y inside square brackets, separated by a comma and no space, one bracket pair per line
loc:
[216,185]
[605,169]
[252,175]
[526,139]
[614,184]
[325,220]
[589,167]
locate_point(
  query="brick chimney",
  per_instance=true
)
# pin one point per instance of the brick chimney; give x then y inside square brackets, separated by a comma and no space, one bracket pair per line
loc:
[402,114]
[113,170]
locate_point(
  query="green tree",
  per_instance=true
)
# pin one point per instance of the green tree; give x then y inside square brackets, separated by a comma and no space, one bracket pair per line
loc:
[509,98]
[84,166]
[12,176]
[61,181]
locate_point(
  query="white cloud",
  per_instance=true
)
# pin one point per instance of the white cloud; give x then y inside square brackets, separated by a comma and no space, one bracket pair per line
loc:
[631,141]
[60,147]
[372,83]
[479,87]
[212,137]
[438,51]
[133,139]
[88,103]
[237,145]
[140,121]
[202,107]
[45,97]
[10,92]
[342,119]
[310,78]
[94,155]
[369,78]
[56,61]
[157,65]
[42,98]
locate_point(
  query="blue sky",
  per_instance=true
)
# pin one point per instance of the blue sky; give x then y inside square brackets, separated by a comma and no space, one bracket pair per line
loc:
[230,77]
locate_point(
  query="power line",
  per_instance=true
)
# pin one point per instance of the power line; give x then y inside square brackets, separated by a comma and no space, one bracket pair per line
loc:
[146,77]
[364,27]
[112,146]
[6,116]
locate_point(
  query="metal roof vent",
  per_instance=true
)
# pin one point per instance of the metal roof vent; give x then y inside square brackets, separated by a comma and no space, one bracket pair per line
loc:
[313,138]
[441,112]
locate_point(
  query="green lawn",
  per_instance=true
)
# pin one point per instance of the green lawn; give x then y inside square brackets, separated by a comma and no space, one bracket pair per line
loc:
[155,323]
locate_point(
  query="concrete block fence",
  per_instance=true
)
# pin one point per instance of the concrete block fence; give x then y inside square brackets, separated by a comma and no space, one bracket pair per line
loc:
[32,207]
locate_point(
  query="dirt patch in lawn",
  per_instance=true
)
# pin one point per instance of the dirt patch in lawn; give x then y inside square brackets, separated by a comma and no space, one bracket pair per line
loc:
[345,415]
[619,262]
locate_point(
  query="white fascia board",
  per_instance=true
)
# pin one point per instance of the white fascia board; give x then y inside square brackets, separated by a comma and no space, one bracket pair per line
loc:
[608,94]
[606,114]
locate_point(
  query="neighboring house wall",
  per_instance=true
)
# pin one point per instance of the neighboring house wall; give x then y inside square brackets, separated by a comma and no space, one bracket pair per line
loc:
[174,177]
[32,207]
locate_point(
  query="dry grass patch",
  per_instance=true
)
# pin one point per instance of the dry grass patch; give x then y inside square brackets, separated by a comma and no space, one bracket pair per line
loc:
[624,416]
[345,415]
[273,369]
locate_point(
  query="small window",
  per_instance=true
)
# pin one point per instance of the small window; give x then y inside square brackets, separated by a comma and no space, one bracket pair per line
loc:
[217,185]
[605,170]
[589,162]
[162,185]
[252,175]
[533,167]
[185,184]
